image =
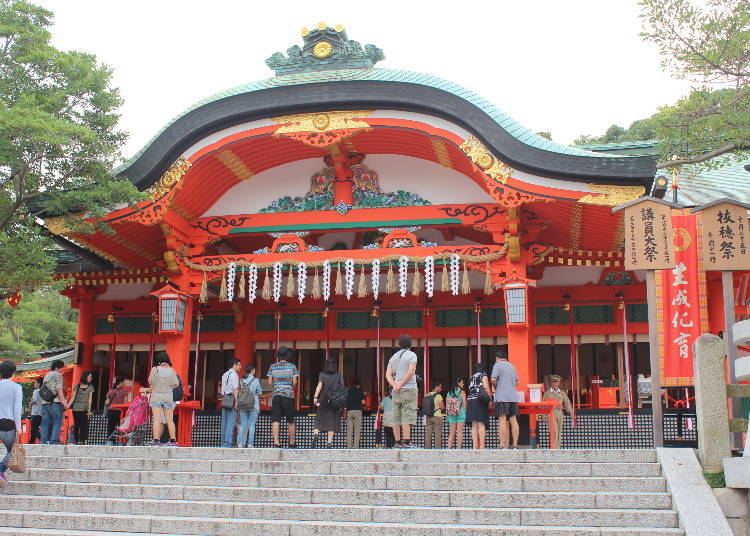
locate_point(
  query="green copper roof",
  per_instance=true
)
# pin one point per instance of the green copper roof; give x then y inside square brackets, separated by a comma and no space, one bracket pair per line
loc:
[386,75]
[699,186]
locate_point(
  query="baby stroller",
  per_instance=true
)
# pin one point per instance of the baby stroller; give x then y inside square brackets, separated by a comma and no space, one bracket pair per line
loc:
[132,428]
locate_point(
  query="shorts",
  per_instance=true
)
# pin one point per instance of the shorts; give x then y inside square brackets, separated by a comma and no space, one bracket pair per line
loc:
[455,419]
[283,406]
[165,405]
[506,408]
[404,407]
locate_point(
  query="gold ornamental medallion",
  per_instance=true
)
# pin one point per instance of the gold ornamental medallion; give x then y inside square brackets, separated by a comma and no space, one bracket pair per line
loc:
[485,161]
[320,121]
[322,50]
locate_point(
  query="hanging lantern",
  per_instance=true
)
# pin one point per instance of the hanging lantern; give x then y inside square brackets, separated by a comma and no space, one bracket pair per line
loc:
[516,291]
[172,308]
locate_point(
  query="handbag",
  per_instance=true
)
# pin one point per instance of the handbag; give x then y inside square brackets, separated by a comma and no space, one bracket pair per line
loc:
[227,401]
[17,460]
[483,397]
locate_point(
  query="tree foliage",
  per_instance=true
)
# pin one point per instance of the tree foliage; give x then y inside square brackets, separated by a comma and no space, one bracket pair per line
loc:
[640,130]
[58,142]
[707,43]
[43,319]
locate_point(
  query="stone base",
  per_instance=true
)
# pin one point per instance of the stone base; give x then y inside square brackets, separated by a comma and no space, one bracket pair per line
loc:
[737,472]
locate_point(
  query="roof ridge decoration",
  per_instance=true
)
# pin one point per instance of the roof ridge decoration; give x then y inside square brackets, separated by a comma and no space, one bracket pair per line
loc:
[325,48]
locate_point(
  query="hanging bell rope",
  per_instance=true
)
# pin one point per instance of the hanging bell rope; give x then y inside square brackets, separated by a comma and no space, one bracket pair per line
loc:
[465,285]
[316,286]
[416,284]
[444,282]
[203,296]
[339,289]
[362,288]
[223,287]
[290,284]
[266,292]
[488,290]
[242,293]
[390,281]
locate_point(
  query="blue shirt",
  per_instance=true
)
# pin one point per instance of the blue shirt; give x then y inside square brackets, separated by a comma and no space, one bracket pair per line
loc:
[283,374]
[507,378]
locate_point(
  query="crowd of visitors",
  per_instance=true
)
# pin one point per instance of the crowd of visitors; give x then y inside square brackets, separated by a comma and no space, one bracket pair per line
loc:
[465,402]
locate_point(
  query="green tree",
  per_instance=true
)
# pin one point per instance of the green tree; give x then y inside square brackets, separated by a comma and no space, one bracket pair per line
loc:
[707,43]
[640,130]
[43,319]
[58,142]
[546,134]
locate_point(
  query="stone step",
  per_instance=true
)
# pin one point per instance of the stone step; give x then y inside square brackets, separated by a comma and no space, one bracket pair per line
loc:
[353,513]
[414,468]
[517,499]
[32,521]
[369,455]
[363,482]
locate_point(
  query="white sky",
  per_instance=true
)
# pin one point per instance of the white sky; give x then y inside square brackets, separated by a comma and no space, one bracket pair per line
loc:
[570,67]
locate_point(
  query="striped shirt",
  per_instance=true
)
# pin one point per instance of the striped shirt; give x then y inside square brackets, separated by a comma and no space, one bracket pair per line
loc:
[283,374]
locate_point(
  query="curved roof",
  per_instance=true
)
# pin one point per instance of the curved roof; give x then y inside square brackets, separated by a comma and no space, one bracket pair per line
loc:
[342,89]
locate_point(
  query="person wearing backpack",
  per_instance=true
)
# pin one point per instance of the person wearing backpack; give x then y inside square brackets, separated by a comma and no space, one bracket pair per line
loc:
[230,388]
[432,409]
[328,401]
[455,407]
[248,404]
[11,402]
[53,403]
[354,400]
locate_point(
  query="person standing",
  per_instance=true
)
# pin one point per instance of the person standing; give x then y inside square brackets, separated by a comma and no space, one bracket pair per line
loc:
[230,387]
[354,400]
[327,417]
[52,411]
[477,405]
[401,377]
[116,395]
[35,409]
[162,380]
[386,406]
[283,377]
[555,393]
[82,398]
[455,407]
[433,434]
[11,404]
[248,416]
[505,380]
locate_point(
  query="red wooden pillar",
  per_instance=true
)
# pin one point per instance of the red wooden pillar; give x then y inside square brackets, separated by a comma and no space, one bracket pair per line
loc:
[83,300]
[521,348]
[178,344]
[243,333]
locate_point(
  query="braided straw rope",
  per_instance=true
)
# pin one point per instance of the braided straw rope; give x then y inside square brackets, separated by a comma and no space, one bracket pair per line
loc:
[387,258]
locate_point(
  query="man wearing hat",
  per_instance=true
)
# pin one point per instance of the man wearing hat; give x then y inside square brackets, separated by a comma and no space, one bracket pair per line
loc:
[555,393]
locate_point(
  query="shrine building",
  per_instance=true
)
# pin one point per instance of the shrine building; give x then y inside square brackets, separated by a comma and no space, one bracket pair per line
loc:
[336,205]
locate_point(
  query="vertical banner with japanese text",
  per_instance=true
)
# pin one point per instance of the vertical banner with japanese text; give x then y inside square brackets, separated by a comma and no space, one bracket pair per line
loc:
[681,306]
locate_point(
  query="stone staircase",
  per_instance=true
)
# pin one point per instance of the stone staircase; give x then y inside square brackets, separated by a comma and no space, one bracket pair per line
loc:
[87,490]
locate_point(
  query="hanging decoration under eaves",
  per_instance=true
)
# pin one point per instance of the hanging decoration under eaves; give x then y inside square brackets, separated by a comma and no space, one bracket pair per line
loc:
[409,274]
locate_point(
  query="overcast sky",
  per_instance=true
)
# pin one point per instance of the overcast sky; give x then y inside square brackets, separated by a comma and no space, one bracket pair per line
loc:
[570,67]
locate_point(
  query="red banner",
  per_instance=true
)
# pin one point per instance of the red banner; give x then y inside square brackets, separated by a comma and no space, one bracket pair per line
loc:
[681,302]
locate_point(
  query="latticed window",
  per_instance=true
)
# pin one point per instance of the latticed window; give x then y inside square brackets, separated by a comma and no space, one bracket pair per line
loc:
[637,312]
[388,320]
[290,322]
[458,318]
[125,324]
[582,314]
[216,323]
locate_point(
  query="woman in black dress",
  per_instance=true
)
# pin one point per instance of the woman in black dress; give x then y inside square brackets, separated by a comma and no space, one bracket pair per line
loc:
[477,410]
[327,418]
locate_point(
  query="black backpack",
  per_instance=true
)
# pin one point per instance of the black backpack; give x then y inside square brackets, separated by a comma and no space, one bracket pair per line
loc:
[178,392]
[336,396]
[428,405]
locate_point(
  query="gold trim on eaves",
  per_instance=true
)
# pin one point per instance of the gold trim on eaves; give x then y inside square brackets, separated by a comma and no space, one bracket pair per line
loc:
[611,195]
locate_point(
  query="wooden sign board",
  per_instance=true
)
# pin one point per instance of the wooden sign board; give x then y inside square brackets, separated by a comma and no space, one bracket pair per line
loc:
[648,236]
[726,237]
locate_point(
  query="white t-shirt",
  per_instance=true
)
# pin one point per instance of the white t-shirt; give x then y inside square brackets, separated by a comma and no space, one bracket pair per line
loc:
[229,382]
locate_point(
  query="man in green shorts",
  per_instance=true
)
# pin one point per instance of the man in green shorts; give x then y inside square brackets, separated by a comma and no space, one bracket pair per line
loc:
[401,376]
